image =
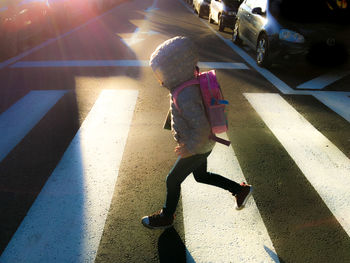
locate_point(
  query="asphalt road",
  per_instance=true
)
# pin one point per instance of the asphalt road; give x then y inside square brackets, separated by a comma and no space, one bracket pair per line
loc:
[83,155]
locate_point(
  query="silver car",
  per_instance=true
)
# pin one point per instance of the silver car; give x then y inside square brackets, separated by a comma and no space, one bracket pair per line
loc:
[275,28]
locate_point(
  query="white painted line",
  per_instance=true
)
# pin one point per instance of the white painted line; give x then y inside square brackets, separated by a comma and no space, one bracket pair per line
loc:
[137,36]
[81,63]
[339,102]
[133,39]
[116,63]
[66,221]
[151,9]
[52,40]
[323,81]
[22,116]
[214,230]
[323,164]
[222,65]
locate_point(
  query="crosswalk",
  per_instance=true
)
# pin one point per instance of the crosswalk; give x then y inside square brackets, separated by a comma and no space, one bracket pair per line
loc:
[66,221]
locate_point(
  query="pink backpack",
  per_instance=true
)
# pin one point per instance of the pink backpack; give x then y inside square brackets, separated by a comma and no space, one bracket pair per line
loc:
[213,102]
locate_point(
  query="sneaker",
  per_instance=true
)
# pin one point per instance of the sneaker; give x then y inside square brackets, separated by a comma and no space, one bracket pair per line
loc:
[243,195]
[158,220]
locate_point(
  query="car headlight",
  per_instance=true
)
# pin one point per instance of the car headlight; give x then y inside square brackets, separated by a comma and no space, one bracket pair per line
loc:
[291,36]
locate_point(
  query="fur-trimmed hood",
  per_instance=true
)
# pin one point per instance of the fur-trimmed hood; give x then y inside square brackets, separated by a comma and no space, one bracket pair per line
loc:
[174,61]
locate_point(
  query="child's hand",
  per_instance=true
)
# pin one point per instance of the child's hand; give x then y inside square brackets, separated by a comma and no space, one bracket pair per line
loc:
[182,151]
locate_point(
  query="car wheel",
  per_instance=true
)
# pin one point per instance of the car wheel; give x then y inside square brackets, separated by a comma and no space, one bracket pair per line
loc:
[210,19]
[235,35]
[200,12]
[221,24]
[262,51]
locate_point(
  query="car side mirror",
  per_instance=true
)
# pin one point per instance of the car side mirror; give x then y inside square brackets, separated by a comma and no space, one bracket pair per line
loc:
[257,10]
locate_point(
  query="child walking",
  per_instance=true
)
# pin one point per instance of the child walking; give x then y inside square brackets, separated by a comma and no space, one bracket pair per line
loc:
[173,63]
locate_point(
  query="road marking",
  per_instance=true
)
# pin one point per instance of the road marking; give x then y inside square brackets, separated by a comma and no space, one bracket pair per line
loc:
[22,116]
[337,101]
[214,230]
[116,63]
[81,63]
[322,163]
[222,65]
[323,81]
[66,221]
[137,35]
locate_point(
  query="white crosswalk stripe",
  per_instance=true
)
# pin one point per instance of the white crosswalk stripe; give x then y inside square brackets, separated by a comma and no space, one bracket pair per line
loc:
[117,63]
[19,119]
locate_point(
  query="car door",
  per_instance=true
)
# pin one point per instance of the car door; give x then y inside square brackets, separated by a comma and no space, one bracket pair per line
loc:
[244,20]
[215,9]
[253,20]
[257,19]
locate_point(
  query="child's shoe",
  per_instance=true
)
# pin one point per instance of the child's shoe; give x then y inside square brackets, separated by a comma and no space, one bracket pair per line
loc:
[158,220]
[243,195]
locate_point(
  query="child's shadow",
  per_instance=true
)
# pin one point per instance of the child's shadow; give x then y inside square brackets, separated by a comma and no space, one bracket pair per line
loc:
[171,248]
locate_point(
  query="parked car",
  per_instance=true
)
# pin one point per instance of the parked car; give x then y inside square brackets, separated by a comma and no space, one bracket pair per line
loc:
[201,7]
[275,28]
[223,12]
[21,20]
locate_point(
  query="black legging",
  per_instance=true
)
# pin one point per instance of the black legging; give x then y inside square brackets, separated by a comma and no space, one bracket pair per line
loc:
[196,164]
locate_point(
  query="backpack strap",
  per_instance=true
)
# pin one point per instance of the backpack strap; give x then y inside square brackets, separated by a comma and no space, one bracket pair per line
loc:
[176,92]
[213,137]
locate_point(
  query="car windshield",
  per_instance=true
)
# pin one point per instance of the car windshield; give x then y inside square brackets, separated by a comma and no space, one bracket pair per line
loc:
[312,11]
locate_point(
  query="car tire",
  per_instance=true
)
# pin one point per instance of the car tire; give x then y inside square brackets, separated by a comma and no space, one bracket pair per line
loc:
[262,51]
[221,24]
[200,12]
[235,35]
[210,19]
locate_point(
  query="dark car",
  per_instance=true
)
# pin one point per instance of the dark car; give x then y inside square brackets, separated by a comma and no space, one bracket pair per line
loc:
[275,28]
[21,20]
[223,12]
[201,7]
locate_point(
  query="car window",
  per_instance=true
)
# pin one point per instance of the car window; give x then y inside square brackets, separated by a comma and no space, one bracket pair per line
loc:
[250,3]
[257,3]
[261,3]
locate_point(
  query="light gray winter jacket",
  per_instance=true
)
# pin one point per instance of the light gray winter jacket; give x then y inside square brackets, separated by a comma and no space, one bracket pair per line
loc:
[173,63]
